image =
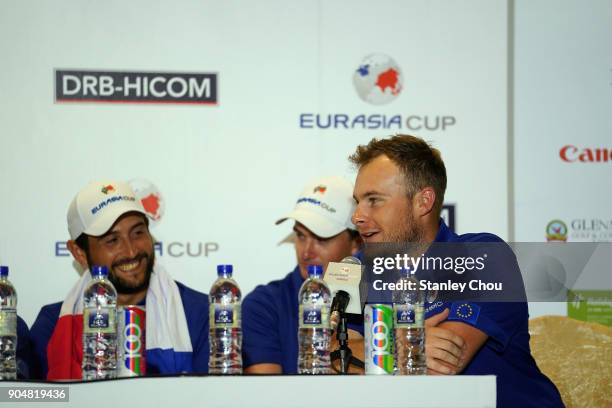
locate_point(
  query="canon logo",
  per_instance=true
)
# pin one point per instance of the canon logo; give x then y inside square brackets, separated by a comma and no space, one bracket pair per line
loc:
[572,154]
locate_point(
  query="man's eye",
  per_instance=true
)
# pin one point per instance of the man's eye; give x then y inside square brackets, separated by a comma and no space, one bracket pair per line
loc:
[111,241]
[373,200]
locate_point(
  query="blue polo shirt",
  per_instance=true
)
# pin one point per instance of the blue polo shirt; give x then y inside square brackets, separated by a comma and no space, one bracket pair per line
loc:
[195,305]
[270,323]
[506,352]
[24,350]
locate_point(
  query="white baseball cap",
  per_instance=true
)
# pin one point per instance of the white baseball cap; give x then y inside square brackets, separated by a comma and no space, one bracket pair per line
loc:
[96,207]
[325,206]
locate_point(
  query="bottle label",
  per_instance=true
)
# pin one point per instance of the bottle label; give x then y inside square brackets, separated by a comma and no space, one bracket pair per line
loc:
[222,316]
[316,317]
[99,320]
[407,316]
[8,322]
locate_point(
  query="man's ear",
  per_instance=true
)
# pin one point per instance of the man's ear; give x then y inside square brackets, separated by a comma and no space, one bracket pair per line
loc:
[424,201]
[79,255]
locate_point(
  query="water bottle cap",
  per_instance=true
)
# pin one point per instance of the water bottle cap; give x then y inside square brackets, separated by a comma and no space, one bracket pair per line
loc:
[315,271]
[224,270]
[98,270]
[405,272]
[3,270]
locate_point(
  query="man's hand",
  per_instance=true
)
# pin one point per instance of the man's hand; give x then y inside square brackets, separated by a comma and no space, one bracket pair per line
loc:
[443,348]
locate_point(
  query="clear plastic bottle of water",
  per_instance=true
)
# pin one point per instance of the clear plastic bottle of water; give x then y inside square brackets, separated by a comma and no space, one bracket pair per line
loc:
[99,327]
[8,327]
[225,336]
[314,331]
[408,326]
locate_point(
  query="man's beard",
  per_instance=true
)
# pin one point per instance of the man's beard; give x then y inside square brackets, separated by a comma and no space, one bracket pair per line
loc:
[126,288]
[408,230]
[408,237]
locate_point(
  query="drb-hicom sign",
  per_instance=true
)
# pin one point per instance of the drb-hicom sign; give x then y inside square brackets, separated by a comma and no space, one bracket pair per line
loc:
[135,87]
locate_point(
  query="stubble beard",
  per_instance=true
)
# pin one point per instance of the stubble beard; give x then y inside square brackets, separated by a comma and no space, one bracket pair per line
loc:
[407,231]
[127,288]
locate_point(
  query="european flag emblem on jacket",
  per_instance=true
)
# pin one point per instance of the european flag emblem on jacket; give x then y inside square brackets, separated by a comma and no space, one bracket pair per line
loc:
[464,311]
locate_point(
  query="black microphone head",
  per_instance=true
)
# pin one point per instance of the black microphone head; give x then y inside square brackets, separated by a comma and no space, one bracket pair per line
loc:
[338,307]
[343,299]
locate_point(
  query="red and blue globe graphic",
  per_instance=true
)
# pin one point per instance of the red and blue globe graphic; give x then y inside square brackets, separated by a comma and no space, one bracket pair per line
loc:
[150,198]
[378,79]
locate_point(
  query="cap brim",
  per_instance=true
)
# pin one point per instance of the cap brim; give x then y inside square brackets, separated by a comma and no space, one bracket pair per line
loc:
[111,215]
[317,224]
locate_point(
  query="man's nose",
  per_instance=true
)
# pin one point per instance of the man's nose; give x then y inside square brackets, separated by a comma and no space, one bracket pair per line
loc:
[129,248]
[359,216]
[309,249]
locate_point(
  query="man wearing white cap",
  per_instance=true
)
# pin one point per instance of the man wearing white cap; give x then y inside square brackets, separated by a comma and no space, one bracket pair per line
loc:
[323,233]
[109,227]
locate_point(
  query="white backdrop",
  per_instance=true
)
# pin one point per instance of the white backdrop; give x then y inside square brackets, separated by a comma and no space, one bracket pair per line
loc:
[227,172]
[563,97]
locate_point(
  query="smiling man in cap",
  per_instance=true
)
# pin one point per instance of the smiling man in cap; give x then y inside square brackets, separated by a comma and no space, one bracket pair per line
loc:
[323,233]
[108,226]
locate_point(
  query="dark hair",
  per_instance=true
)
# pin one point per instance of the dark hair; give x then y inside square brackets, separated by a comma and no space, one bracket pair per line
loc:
[83,242]
[421,164]
[353,233]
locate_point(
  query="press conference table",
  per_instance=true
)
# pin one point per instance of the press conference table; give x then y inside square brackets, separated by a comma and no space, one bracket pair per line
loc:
[274,391]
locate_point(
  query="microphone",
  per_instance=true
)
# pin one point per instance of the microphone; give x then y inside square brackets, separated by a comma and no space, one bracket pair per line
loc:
[338,306]
[343,279]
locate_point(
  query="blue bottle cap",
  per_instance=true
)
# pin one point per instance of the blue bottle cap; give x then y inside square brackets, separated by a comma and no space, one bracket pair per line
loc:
[315,271]
[98,270]
[405,272]
[224,271]
[3,270]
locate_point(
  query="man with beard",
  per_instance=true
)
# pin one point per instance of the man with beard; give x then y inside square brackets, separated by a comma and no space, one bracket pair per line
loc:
[399,193]
[109,227]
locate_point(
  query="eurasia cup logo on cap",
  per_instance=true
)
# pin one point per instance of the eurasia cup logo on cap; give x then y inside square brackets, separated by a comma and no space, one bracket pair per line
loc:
[150,198]
[108,189]
[324,206]
[378,79]
[319,189]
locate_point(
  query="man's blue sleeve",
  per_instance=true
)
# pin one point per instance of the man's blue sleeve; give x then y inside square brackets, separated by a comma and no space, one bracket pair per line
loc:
[40,334]
[195,305]
[201,348]
[261,338]
[498,320]
[24,350]
[498,313]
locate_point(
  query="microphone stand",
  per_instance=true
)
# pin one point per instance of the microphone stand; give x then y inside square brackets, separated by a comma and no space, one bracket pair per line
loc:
[344,352]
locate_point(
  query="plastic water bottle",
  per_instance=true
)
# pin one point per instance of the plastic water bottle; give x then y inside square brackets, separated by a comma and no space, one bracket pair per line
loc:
[225,336]
[314,331]
[99,327]
[408,326]
[8,327]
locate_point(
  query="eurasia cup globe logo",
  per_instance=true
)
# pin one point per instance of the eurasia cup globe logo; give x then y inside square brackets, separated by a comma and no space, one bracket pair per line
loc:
[378,79]
[150,198]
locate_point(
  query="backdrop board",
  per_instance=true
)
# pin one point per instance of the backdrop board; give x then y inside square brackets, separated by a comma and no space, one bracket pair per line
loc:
[220,112]
[563,96]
